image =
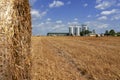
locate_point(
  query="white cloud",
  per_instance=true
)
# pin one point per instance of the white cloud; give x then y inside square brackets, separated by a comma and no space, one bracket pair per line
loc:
[116,17]
[47,22]
[102,18]
[102,25]
[59,21]
[104,4]
[46,27]
[98,1]
[73,23]
[56,4]
[97,15]
[49,26]
[58,27]
[48,19]
[37,14]
[97,25]
[41,24]
[118,4]
[76,19]
[109,12]
[69,2]
[42,6]
[85,5]
[89,16]
[32,2]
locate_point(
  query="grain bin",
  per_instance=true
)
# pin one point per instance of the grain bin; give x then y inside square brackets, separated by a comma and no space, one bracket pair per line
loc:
[15,40]
[71,30]
[77,31]
[84,27]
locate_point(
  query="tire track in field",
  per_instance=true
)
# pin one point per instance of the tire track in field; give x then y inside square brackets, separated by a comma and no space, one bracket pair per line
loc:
[70,60]
[68,51]
[60,55]
[61,42]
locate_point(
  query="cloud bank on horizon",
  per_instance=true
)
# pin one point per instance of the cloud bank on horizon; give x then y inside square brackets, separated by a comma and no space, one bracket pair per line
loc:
[57,15]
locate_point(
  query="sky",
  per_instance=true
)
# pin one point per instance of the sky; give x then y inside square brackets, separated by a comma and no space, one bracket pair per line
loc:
[58,15]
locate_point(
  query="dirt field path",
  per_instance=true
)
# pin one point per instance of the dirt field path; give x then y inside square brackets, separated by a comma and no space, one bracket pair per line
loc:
[76,58]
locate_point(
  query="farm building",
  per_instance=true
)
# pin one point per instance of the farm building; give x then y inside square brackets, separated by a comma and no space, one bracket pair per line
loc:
[92,34]
[57,34]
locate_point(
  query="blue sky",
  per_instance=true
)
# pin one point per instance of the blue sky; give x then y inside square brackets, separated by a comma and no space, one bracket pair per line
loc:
[58,15]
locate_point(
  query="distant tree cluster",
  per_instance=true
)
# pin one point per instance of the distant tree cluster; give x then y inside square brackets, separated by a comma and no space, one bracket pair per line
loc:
[118,33]
[86,32]
[107,32]
[112,33]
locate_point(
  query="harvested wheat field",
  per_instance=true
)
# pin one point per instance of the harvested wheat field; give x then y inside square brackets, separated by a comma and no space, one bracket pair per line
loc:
[76,58]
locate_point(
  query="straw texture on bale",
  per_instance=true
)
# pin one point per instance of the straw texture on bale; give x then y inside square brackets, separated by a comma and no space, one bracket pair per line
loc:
[15,40]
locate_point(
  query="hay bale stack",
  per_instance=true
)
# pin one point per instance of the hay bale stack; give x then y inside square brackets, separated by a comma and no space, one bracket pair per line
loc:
[15,40]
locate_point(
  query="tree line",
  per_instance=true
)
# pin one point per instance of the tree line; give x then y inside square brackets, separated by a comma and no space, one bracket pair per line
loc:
[107,32]
[111,33]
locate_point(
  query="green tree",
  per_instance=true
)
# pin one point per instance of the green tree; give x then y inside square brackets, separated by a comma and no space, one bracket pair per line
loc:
[118,33]
[112,32]
[83,33]
[106,32]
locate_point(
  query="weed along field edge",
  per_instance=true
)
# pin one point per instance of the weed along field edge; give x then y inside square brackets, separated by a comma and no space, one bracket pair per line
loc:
[76,58]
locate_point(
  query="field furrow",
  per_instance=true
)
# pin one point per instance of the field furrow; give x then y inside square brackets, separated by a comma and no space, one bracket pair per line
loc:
[76,58]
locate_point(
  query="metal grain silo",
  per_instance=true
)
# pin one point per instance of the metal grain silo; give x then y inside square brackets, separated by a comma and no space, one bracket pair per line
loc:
[71,30]
[77,30]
